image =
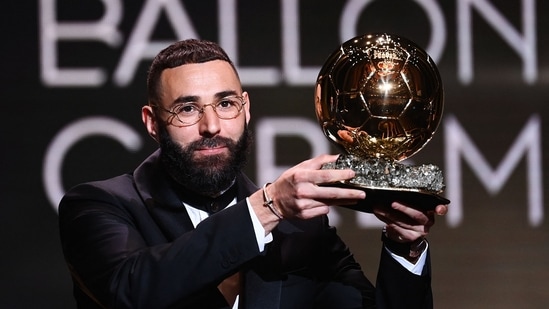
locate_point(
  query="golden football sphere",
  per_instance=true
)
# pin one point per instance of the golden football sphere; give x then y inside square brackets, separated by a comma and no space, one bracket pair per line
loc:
[379,95]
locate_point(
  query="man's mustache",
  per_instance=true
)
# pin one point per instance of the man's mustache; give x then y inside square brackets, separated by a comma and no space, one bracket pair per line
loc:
[211,142]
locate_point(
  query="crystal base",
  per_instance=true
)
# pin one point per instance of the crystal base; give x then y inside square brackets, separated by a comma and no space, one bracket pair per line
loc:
[386,181]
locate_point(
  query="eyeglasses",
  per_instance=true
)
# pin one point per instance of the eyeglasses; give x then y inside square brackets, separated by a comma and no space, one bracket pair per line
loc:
[189,113]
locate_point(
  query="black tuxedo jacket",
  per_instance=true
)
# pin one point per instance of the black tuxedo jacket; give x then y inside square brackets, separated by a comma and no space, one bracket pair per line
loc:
[129,243]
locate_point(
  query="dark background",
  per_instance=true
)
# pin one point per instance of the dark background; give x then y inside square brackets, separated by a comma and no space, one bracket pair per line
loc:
[494,256]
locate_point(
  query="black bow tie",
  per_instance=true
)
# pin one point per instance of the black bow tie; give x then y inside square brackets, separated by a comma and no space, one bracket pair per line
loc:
[210,205]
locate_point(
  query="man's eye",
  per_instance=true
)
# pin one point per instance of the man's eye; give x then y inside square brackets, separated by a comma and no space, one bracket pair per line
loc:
[186,109]
[227,103]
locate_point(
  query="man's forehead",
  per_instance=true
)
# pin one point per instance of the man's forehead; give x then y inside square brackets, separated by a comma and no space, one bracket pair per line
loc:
[216,70]
[200,80]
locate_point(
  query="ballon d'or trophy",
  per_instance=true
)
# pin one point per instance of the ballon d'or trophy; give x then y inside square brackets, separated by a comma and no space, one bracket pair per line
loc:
[379,97]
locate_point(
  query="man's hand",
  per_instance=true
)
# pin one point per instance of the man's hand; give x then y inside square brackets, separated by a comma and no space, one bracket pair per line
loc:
[297,194]
[406,228]
[407,224]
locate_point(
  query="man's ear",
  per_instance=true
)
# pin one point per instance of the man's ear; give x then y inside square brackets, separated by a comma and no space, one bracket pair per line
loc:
[246,97]
[149,120]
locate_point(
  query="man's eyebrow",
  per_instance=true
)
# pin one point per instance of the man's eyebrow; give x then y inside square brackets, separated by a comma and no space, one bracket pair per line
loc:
[186,99]
[194,98]
[226,93]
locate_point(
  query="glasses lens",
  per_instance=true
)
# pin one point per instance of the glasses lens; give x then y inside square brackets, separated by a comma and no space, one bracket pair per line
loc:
[228,108]
[187,113]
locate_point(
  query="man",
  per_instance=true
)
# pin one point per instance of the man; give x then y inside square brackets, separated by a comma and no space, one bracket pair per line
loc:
[160,238]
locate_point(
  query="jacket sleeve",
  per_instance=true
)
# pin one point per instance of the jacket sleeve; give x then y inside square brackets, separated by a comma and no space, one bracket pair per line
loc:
[396,287]
[110,257]
[348,272]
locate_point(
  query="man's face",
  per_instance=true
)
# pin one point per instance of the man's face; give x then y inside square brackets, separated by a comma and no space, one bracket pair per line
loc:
[204,156]
[204,83]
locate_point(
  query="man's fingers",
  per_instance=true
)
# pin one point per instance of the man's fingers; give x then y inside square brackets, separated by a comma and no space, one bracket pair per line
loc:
[405,217]
[331,176]
[416,215]
[403,235]
[317,162]
[441,210]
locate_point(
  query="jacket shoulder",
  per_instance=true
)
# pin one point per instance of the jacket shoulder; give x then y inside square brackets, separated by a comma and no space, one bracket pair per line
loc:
[118,190]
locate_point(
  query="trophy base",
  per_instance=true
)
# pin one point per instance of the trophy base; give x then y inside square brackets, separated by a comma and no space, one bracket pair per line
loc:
[385,196]
[386,181]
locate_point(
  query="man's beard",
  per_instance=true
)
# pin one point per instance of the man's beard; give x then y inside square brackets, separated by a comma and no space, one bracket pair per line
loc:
[208,175]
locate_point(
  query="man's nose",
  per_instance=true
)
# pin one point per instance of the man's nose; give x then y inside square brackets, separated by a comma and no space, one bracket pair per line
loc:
[209,123]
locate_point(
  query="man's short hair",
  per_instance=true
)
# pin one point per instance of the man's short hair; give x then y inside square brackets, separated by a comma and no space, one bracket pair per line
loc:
[182,52]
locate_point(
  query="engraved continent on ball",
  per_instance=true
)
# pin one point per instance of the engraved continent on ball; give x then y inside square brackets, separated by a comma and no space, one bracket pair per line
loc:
[379,97]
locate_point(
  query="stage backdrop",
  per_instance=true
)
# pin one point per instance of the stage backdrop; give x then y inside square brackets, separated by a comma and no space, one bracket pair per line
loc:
[73,82]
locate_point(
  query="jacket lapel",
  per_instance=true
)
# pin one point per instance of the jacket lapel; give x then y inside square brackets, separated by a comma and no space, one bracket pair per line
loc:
[163,204]
[262,290]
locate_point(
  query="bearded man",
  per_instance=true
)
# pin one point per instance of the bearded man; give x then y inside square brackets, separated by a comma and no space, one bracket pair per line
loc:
[187,229]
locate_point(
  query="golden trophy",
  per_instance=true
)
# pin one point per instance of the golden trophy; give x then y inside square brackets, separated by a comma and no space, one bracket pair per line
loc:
[379,97]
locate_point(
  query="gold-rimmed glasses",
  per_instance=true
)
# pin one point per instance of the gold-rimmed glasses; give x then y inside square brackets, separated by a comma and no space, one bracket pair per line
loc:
[189,113]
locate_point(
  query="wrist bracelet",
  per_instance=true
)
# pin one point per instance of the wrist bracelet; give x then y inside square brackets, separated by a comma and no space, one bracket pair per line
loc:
[268,202]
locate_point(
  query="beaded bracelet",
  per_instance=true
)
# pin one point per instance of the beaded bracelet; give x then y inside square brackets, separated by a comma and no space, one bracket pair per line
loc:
[268,202]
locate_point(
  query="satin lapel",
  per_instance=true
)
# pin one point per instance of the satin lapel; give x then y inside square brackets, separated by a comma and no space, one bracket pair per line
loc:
[165,207]
[162,202]
[245,186]
[155,188]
